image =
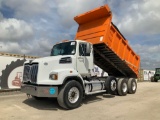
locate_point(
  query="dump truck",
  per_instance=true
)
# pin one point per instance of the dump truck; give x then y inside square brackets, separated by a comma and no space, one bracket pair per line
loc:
[156,76]
[68,73]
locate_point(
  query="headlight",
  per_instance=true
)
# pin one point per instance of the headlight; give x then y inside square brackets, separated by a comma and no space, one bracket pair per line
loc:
[53,76]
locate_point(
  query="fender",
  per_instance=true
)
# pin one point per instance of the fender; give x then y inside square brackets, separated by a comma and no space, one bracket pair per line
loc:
[77,78]
[63,76]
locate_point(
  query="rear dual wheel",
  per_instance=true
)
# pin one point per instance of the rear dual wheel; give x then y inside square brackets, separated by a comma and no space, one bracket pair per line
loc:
[126,86]
[114,86]
[122,87]
[132,86]
[111,85]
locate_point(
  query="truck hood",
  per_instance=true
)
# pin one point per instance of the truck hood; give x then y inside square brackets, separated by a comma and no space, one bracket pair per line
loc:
[47,65]
[48,59]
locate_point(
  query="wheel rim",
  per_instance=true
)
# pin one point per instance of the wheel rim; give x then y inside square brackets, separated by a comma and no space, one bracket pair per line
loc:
[133,86]
[113,85]
[73,95]
[124,87]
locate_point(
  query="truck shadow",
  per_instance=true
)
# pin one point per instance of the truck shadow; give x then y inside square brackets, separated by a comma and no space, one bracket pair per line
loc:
[52,104]
[96,98]
[43,104]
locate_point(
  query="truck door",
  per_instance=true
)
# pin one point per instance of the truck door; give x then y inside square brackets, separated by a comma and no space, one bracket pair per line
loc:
[84,61]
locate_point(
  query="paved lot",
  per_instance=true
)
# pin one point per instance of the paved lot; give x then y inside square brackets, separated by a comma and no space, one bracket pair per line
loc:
[144,105]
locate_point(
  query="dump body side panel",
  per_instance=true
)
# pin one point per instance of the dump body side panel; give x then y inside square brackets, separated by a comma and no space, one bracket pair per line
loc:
[111,50]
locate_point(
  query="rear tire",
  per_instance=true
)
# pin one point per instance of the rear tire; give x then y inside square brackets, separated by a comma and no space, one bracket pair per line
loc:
[111,85]
[70,95]
[155,80]
[152,79]
[122,87]
[132,86]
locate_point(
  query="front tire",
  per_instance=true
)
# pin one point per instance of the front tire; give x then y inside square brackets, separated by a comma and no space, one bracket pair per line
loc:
[70,95]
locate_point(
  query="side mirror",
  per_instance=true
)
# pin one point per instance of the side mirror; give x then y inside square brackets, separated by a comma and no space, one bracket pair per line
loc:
[88,48]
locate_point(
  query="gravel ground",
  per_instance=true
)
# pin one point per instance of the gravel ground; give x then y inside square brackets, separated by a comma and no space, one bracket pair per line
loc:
[144,105]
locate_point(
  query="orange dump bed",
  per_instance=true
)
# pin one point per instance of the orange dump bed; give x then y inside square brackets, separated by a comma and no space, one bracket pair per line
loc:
[111,50]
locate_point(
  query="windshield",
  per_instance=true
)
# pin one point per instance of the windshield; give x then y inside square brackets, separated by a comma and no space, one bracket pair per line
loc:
[66,48]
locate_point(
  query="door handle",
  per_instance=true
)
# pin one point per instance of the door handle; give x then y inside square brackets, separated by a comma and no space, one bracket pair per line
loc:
[80,57]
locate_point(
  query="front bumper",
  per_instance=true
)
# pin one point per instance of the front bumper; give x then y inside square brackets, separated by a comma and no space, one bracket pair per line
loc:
[40,91]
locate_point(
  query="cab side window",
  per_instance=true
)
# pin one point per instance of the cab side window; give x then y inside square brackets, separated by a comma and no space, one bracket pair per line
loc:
[82,50]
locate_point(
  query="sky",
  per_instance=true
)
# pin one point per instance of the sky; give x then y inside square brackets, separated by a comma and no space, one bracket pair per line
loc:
[32,27]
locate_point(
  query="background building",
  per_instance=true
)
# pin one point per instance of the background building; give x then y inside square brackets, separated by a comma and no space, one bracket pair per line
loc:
[145,75]
[11,69]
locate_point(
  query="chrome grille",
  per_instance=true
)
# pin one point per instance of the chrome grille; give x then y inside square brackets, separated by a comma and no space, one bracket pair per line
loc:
[30,72]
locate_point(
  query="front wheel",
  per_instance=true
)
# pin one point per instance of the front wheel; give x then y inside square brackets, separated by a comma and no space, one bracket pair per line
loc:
[70,95]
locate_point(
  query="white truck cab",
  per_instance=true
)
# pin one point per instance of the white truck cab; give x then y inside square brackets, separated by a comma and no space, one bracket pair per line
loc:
[66,59]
